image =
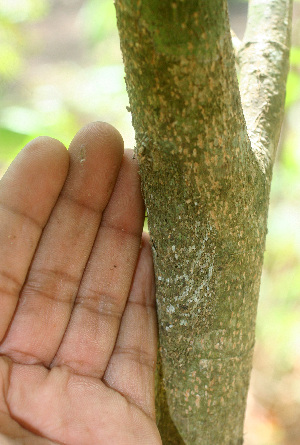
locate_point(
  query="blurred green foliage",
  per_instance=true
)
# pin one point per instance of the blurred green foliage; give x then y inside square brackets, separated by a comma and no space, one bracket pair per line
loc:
[16,11]
[280,292]
[104,26]
[53,81]
[12,54]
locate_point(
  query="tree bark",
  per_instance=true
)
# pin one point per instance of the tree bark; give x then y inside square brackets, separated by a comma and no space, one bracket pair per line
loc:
[206,188]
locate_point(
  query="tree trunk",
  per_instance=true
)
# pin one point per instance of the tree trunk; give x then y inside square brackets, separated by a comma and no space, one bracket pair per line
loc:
[206,183]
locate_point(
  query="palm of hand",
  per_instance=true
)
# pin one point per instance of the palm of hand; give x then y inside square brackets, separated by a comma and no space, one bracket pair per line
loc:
[77,324]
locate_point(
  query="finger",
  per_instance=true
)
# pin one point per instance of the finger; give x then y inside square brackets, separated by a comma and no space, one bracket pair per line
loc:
[131,368]
[56,271]
[28,192]
[94,325]
[71,409]
[11,432]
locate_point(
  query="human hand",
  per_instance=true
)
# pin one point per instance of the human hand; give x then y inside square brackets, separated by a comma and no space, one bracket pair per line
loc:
[78,330]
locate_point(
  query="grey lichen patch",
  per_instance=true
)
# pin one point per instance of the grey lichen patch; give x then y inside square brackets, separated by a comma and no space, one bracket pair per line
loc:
[189,288]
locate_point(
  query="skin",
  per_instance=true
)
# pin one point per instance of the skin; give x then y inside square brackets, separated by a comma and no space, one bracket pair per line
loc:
[78,329]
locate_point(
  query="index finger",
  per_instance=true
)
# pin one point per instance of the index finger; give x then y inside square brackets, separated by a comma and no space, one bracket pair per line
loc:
[28,192]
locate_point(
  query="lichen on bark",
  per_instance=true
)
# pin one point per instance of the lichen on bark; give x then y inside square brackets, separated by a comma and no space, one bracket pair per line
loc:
[207,199]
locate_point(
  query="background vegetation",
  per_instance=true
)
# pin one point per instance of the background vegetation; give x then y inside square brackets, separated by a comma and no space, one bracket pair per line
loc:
[61,67]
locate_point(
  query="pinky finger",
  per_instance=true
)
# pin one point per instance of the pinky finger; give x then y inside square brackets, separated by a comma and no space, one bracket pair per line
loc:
[131,368]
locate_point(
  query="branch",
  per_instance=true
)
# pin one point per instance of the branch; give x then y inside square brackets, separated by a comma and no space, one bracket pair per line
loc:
[207,205]
[264,68]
